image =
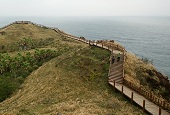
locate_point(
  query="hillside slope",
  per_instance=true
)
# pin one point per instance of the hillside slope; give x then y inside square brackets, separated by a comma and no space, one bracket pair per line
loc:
[74,83]
[57,88]
[143,74]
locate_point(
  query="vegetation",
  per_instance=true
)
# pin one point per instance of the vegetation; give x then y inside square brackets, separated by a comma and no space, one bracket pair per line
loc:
[34,37]
[142,73]
[89,63]
[74,82]
[26,44]
[147,61]
[13,70]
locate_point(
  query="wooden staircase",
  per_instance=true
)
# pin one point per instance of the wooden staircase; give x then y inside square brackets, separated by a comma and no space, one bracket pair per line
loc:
[116,71]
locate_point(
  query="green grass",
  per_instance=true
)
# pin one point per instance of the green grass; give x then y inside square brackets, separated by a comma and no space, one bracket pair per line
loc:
[89,63]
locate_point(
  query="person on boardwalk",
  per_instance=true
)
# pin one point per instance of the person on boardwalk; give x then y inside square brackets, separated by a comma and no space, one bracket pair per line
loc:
[113,59]
[118,57]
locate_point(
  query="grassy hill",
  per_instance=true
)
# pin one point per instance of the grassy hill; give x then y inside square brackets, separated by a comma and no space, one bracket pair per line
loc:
[75,82]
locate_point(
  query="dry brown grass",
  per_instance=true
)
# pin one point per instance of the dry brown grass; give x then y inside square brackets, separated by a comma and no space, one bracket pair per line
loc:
[133,62]
[144,74]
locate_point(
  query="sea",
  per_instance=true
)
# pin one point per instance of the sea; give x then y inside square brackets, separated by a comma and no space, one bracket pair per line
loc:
[147,37]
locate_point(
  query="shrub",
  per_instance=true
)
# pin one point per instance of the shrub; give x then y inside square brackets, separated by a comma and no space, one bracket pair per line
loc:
[19,67]
[7,86]
[146,60]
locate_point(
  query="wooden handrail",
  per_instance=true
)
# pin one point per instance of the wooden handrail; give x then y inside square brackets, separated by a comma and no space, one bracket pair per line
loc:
[149,95]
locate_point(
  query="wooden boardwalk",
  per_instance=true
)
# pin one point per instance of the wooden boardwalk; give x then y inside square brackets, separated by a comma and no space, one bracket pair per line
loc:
[116,74]
[140,100]
[116,80]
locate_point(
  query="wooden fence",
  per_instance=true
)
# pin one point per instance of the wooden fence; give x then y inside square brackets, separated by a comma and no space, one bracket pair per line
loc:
[149,95]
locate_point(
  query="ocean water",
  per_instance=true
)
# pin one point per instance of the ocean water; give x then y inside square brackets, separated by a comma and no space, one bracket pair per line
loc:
[147,37]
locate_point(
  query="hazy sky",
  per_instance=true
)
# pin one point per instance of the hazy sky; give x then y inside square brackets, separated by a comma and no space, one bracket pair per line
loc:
[84,7]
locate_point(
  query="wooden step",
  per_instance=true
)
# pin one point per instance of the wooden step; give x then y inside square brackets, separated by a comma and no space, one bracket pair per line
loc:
[117,75]
[112,72]
[115,79]
[116,68]
[121,64]
[120,82]
[115,65]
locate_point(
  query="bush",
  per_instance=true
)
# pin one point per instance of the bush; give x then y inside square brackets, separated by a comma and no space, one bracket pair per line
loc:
[19,67]
[146,60]
[7,86]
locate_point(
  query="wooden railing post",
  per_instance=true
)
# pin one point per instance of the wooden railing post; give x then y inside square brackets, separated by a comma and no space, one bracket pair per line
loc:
[154,100]
[159,111]
[123,72]
[122,89]
[151,96]
[143,105]
[132,97]
[114,84]
[163,104]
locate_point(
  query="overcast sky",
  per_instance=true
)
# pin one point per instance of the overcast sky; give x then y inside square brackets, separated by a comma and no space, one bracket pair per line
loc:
[84,7]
